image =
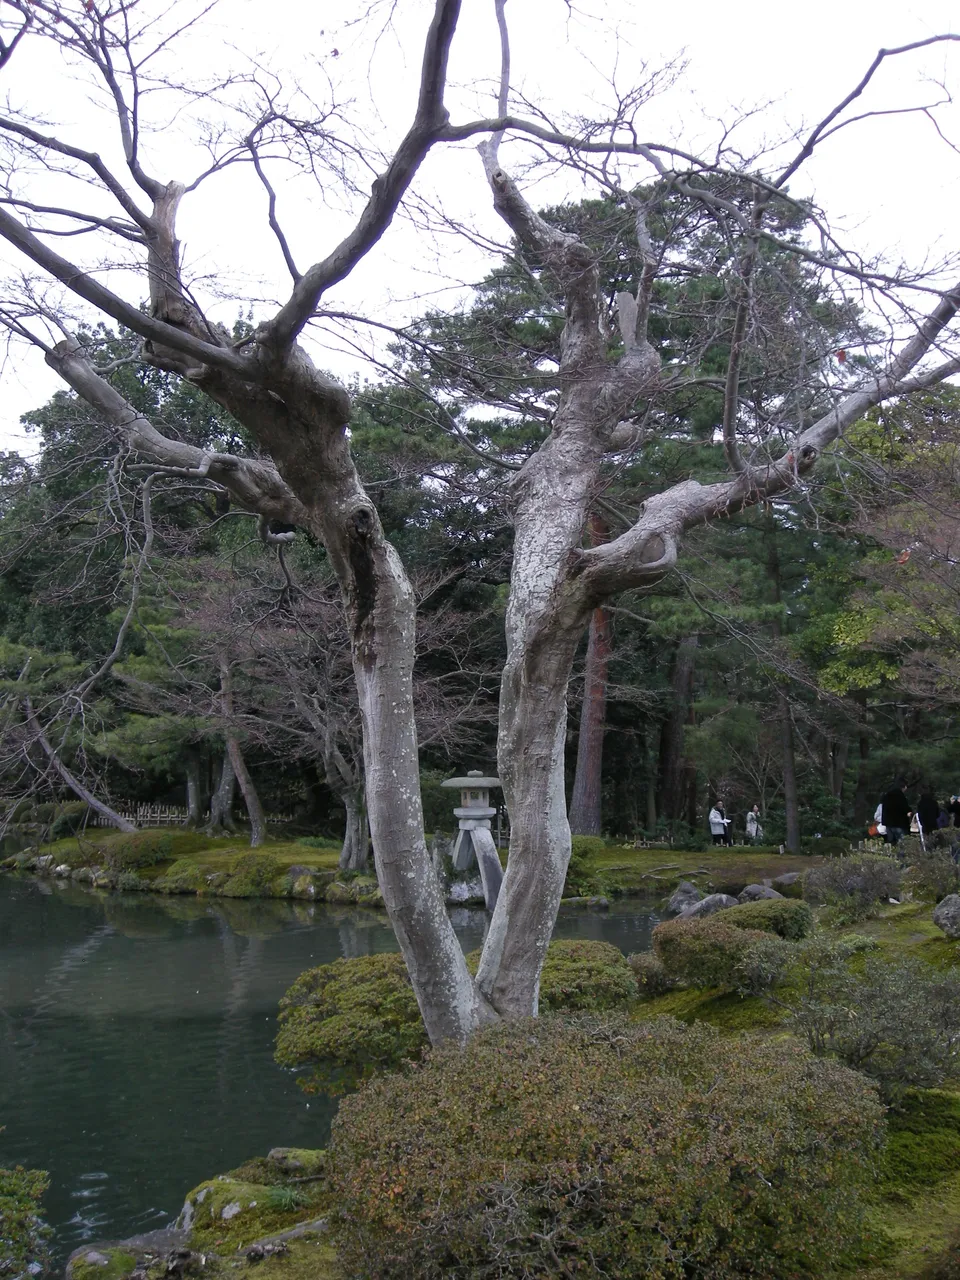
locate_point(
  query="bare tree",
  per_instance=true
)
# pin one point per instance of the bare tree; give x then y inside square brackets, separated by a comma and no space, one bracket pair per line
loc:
[610,381]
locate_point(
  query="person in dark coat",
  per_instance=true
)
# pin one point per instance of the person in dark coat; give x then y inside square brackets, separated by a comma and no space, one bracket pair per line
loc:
[896,813]
[928,812]
[954,811]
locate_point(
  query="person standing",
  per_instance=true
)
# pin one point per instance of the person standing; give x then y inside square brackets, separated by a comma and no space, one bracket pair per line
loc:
[719,822]
[754,829]
[928,812]
[954,811]
[896,812]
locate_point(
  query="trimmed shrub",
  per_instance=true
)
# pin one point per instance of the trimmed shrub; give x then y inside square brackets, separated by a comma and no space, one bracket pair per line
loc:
[128,852]
[704,952]
[790,920]
[349,1020]
[602,1147]
[252,876]
[854,885]
[585,975]
[353,1018]
[651,977]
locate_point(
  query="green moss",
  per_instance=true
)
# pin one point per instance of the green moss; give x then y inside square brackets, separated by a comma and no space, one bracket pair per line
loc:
[227,1213]
[923,1143]
[722,1009]
[251,876]
[185,876]
[119,1263]
[309,1257]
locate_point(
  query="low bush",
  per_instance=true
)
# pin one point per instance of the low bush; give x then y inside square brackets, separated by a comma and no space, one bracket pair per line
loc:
[582,880]
[705,951]
[348,1020]
[72,816]
[587,975]
[23,1235]
[596,1146]
[252,876]
[933,875]
[351,1019]
[130,882]
[854,884]
[651,977]
[896,1021]
[138,849]
[828,846]
[790,920]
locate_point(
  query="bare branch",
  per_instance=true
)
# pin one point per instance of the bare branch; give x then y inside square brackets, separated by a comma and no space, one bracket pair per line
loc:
[388,190]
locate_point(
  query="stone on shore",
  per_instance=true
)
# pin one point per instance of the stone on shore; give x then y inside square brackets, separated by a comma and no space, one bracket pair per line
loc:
[708,905]
[684,895]
[758,893]
[946,915]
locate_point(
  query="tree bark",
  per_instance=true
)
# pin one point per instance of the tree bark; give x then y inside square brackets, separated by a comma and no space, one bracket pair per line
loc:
[258,824]
[74,783]
[788,753]
[675,784]
[586,802]
[221,802]
[194,808]
[791,802]
[353,854]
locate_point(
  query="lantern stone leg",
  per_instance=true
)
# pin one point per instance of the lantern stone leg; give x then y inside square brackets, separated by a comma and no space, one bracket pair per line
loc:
[488,860]
[474,839]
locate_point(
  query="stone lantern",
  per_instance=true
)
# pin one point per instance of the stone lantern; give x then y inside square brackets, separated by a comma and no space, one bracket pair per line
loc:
[474,839]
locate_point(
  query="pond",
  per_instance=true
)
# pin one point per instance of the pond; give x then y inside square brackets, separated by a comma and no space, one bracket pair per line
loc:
[136,1038]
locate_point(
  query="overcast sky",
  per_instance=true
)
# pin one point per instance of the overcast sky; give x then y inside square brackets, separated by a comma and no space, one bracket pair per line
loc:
[890,183]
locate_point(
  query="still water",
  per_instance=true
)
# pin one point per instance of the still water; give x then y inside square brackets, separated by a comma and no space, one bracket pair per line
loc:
[136,1038]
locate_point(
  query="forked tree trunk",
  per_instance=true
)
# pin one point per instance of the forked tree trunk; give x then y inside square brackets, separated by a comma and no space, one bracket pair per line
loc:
[586,801]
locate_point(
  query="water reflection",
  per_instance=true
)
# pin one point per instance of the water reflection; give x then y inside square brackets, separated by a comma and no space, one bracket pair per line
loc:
[136,1037]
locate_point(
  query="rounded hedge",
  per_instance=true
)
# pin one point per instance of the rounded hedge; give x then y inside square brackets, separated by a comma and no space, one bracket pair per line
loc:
[353,1018]
[594,1146]
[585,975]
[704,951]
[789,919]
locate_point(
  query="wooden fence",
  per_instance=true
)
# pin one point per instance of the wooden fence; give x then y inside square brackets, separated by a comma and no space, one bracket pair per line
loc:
[164,815]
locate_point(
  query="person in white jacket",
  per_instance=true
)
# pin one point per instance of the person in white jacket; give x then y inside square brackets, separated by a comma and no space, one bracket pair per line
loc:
[719,822]
[754,829]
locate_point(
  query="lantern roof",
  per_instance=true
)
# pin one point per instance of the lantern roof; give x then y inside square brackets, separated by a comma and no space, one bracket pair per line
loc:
[474,780]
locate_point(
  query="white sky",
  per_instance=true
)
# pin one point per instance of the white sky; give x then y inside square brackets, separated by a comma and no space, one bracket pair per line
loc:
[891,184]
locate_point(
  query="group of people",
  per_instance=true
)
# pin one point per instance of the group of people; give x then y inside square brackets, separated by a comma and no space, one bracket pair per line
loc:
[720,825]
[894,817]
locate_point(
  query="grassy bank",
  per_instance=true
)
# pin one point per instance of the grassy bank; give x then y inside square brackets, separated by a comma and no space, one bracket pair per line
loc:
[168,861]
